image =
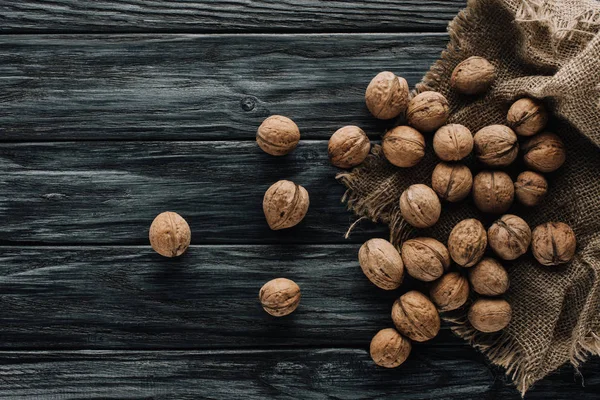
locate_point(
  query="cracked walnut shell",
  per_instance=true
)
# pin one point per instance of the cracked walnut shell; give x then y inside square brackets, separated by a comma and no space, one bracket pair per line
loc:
[389,349]
[553,243]
[489,278]
[348,147]
[473,76]
[403,146]
[509,237]
[450,292]
[452,142]
[452,182]
[416,317]
[285,204]
[420,206]
[496,145]
[387,95]
[493,191]
[527,116]
[381,263]
[278,135]
[544,152]
[279,297]
[467,242]
[425,258]
[427,111]
[490,315]
[170,234]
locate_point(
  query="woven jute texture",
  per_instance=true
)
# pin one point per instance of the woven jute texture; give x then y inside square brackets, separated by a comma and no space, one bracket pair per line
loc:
[548,50]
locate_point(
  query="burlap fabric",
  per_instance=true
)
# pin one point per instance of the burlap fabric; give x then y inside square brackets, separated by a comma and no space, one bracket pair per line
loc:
[548,50]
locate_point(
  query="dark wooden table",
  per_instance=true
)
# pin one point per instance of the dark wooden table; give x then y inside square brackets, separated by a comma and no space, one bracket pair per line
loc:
[112,111]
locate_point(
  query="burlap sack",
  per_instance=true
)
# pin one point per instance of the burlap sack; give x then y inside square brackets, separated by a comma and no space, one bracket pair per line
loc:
[548,50]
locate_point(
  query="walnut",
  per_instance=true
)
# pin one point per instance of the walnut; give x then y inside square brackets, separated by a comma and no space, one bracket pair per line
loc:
[496,145]
[473,76]
[490,315]
[387,95]
[170,234]
[425,258]
[530,188]
[452,182]
[493,191]
[509,237]
[279,297]
[348,147]
[544,152]
[389,349]
[381,263]
[489,278]
[420,206]
[278,135]
[285,204]
[553,243]
[403,146]
[416,317]
[450,292]
[427,111]
[452,142]
[467,242]
[527,116]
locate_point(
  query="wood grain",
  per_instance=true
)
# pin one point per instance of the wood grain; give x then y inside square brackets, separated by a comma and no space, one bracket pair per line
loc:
[196,87]
[226,15]
[109,192]
[429,373]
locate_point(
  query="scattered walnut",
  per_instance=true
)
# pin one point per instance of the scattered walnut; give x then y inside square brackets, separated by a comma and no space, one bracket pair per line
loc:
[530,188]
[473,76]
[348,147]
[450,292]
[285,204]
[509,237]
[490,315]
[493,191]
[452,182]
[496,145]
[387,95]
[381,263]
[420,206]
[403,146]
[452,142]
[425,258]
[170,234]
[527,116]
[279,297]
[544,152]
[553,243]
[389,349]
[278,135]
[416,317]
[427,111]
[467,242]
[489,278]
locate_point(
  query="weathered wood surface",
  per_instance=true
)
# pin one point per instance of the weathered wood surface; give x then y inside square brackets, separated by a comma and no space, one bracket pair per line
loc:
[109,192]
[429,373]
[226,15]
[196,87]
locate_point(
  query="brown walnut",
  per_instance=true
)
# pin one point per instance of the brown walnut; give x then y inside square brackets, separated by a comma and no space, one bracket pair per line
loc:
[348,147]
[427,111]
[278,135]
[473,76]
[509,237]
[452,142]
[420,206]
[493,191]
[450,292]
[170,234]
[416,317]
[553,243]
[425,258]
[527,116]
[387,95]
[531,188]
[544,152]
[490,315]
[389,349]
[403,146]
[381,263]
[467,242]
[452,182]
[496,145]
[489,278]
[285,204]
[279,297]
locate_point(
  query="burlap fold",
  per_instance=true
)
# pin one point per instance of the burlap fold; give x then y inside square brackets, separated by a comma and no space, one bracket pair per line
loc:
[548,50]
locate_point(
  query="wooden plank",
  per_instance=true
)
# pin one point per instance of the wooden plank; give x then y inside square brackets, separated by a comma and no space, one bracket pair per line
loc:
[196,87]
[226,15]
[109,192]
[439,373]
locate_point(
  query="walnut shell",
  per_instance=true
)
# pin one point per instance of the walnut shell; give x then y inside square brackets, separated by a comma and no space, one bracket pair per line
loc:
[427,111]
[381,263]
[490,315]
[473,76]
[553,243]
[170,234]
[285,204]
[531,188]
[279,297]
[527,116]
[493,191]
[452,142]
[403,146]
[509,237]
[387,95]
[452,182]
[467,242]
[348,147]
[544,152]
[416,317]
[425,258]
[389,349]
[278,135]
[420,206]
[450,292]
[496,145]
[489,278]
